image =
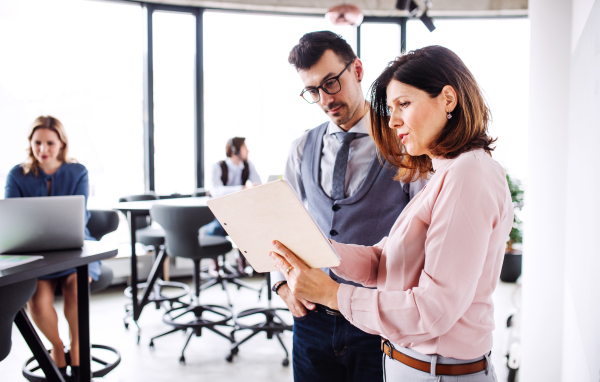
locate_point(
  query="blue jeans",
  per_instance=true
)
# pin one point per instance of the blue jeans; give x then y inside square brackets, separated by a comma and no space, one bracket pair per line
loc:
[329,349]
[214,228]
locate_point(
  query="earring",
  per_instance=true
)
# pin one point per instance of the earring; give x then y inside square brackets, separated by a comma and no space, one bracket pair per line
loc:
[449,116]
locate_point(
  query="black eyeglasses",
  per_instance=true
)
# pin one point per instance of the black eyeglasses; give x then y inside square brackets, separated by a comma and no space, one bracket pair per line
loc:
[330,86]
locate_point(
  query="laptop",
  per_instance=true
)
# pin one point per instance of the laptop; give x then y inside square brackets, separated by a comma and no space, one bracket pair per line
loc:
[41,224]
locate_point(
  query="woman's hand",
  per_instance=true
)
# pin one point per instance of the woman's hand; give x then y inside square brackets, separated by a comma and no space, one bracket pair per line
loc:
[305,283]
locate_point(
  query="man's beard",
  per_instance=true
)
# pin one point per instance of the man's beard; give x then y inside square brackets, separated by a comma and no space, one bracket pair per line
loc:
[343,115]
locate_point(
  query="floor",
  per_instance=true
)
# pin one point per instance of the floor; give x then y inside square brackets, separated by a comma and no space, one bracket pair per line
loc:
[259,359]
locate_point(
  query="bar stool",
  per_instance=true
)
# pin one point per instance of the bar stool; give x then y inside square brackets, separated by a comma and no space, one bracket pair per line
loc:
[181,225]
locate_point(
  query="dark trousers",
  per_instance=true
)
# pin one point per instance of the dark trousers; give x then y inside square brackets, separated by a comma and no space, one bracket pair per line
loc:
[329,349]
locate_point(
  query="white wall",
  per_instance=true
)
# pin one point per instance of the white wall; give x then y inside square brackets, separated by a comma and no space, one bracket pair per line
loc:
[561,293]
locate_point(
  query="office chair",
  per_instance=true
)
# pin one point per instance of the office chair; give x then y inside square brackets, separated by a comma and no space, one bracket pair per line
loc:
[101,222]
[273,324]
[181,225]
[154,237]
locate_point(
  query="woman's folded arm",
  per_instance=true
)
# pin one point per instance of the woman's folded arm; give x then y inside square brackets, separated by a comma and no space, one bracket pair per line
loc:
[359,263]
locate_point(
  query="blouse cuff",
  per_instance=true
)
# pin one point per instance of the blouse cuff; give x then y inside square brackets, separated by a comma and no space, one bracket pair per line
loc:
[344,298]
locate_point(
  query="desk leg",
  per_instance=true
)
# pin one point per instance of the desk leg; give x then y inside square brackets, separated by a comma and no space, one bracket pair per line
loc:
[134,276]
[37,347]
[83,318]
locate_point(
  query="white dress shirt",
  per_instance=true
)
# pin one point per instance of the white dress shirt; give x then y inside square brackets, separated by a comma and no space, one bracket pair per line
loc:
[234,178]
[362,152]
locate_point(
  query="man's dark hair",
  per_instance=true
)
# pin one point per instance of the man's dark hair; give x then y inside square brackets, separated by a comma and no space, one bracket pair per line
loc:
[312,45]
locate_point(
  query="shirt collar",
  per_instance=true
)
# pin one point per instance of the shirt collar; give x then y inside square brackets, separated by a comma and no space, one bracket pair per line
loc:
[360,127]
[46,176]
[438,162]
[230,163]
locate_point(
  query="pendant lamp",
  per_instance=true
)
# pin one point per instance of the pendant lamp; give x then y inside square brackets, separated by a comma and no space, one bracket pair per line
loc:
[345,14]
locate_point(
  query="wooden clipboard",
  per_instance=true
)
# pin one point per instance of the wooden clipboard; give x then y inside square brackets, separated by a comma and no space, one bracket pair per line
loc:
[253,218]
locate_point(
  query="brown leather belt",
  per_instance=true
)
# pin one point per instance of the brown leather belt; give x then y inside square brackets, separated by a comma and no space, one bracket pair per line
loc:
[460,369]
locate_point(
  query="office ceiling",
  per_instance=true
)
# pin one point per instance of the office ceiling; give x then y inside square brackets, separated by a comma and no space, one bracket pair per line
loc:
[381,8]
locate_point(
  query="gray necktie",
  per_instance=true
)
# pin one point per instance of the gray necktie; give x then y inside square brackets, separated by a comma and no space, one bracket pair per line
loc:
[341,162]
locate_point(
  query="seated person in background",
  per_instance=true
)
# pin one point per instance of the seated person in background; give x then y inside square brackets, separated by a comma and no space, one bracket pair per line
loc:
[233,174]
[49,172]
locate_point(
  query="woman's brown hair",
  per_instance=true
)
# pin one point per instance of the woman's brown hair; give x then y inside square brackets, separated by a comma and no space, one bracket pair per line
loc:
[430,69]
[45,122]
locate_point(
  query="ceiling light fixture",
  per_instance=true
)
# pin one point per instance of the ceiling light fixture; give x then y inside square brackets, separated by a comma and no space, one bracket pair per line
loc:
[345,14]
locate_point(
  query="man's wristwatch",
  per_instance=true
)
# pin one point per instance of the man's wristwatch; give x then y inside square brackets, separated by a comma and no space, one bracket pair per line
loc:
[278,285]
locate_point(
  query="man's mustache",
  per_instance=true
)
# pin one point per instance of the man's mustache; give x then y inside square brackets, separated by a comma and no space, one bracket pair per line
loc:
[333,106]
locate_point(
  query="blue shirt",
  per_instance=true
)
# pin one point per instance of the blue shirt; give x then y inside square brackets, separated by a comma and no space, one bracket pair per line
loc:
[69,179]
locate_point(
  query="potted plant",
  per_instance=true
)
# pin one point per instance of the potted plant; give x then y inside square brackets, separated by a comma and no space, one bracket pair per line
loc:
[513,258]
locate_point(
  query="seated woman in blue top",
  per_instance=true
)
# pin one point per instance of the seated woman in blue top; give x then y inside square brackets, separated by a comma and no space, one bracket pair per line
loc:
[48,172]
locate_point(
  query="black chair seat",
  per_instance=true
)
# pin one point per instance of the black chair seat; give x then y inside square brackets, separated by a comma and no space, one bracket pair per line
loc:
[150,236]
[13,297]
[213,246]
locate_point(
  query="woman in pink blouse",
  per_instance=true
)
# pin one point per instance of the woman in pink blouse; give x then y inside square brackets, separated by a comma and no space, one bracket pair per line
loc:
[436,271]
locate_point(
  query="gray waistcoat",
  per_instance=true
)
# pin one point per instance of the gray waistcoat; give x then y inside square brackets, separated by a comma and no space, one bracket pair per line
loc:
[365,217]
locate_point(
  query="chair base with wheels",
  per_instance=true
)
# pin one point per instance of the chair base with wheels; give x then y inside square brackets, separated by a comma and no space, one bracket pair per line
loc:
[182,225]
[224,274]
[273,325]
[100,367]
[194,317]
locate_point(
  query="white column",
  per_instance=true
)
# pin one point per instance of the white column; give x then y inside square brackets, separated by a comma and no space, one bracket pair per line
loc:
[581,333]
[545,234]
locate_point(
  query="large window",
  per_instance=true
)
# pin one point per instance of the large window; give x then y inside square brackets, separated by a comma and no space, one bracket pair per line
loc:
[174,37]
[80,61]
[92,80]
[250,90]
[380,44]
[497,53]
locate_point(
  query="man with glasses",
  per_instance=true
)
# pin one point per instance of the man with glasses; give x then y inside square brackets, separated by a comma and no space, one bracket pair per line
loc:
[353,198]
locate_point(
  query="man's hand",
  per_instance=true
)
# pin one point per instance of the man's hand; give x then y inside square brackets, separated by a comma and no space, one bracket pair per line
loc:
[296,306]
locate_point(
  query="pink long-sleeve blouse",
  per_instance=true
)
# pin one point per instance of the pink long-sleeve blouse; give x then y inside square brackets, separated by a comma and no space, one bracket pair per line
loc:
[437,269]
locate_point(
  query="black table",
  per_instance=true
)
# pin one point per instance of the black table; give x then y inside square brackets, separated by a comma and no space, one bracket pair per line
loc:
[142,208]
[56,261]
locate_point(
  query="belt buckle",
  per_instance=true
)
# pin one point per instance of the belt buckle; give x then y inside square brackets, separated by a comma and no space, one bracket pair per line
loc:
[390,345]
